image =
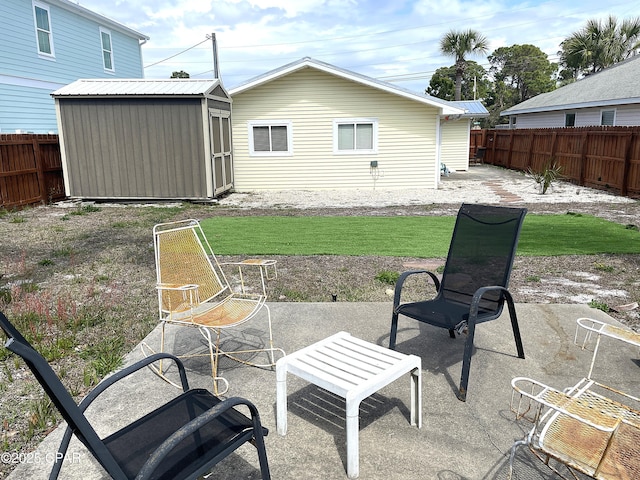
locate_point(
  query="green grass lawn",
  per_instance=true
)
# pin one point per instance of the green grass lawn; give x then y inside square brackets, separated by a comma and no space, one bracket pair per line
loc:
[426,236]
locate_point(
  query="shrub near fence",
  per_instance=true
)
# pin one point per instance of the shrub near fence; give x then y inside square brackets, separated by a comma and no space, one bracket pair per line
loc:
[30,170]
[606,158]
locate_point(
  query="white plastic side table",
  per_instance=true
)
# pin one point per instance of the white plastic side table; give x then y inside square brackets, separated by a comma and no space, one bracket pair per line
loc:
[353,369]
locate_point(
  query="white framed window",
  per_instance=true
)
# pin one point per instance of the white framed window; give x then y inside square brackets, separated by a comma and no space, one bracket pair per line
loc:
[270,138]
[44,35]
[608,117]
[355,136]
[107,50]
[570,119]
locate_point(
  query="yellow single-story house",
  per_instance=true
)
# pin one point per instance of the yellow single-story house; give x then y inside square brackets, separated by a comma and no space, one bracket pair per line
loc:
[310,126]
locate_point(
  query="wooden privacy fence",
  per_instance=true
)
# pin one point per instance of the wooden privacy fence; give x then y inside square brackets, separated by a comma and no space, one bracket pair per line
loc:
[30,170]
[606,158]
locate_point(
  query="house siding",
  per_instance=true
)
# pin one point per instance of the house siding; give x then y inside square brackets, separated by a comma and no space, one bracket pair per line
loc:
[312,100]
[455,144]
[78,54]
[626,116]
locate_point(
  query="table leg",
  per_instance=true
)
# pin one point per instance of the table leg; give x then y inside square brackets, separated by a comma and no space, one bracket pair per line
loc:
[281,398]
[416,397]
[353,441]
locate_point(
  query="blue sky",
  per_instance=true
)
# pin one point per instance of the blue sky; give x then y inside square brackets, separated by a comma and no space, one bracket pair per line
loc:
[395,41]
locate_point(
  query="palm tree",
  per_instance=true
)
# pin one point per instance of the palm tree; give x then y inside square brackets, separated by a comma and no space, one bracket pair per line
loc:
[460,44]
[600,44]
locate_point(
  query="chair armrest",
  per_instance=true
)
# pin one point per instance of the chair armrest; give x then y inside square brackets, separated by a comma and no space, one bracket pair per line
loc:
[477,296]
[190,296]
[600,329]
[574,403]
[172,441]
[125,372]
[177,287]
[403,277]
[263,266]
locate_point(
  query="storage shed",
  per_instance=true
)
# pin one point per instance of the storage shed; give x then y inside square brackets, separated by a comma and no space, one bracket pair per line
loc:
[145,139]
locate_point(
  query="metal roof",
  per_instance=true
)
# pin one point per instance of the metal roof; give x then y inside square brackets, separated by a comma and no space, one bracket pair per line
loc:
[136,87]
[474,108]
[615,85]
[447,108]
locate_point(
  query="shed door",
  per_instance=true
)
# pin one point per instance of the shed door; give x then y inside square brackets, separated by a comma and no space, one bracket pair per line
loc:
[221,157]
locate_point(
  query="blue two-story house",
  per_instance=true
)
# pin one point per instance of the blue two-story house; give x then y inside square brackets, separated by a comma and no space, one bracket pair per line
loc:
[46,44]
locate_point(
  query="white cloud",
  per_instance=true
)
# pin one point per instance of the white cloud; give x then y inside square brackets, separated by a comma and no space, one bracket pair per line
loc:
[372,37]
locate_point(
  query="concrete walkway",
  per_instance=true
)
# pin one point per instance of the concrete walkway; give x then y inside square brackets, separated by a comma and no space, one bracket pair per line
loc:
[457,441]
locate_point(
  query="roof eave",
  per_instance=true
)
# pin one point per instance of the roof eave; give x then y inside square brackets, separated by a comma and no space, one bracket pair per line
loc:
[571,106]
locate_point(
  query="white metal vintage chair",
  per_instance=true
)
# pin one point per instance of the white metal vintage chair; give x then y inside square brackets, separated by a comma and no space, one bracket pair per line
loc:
[591,427]
[194,291]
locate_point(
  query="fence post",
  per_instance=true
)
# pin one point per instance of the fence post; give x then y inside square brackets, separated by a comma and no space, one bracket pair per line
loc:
[532,137]
[511,135]
[42,184]
[583,157]
[554,138]
[627,164]
[492,139]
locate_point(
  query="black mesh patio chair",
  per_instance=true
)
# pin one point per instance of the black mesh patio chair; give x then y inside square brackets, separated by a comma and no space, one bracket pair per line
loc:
[474,285]
[182,439]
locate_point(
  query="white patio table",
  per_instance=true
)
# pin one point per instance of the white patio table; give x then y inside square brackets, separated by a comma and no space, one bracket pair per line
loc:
[353,369]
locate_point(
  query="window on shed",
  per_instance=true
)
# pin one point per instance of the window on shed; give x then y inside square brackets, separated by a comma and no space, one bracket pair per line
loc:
[608,117]
[107,49]
[267,138]
[569,119]
[355,136]
[43,29]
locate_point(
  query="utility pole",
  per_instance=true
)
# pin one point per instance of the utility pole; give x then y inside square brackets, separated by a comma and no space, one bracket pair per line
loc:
[214,44]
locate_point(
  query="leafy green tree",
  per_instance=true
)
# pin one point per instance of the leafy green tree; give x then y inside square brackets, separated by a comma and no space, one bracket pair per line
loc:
[443,82]
[460,44]
[180,74]
[597,45]
[524,69]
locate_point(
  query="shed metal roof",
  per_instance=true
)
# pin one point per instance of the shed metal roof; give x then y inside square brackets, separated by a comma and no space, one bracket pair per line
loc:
[616,85]
[137,87]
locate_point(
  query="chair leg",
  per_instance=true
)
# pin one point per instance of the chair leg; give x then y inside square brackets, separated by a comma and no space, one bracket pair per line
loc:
[466,361]
[514,324]
[214,355]
[452,333]
[262,455]
[394,331]
[271,354]
[513,454]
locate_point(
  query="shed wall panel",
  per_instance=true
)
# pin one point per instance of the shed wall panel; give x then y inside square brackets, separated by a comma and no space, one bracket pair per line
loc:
[311,100]
[134,148]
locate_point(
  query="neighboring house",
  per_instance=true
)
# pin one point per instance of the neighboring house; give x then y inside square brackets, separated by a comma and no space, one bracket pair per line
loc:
[311,125]
[609,97]
[455,135]
[46,44]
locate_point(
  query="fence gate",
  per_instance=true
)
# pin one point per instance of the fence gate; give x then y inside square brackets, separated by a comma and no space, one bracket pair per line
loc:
[221,150]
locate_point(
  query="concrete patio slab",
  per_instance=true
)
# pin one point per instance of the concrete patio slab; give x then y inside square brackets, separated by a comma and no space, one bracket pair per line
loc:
[457,441]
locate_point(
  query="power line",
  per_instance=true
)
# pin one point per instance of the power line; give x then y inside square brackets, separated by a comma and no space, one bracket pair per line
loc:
[179,53]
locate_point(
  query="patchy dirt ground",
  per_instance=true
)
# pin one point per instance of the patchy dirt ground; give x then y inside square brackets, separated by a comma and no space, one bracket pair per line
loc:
[72,256]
